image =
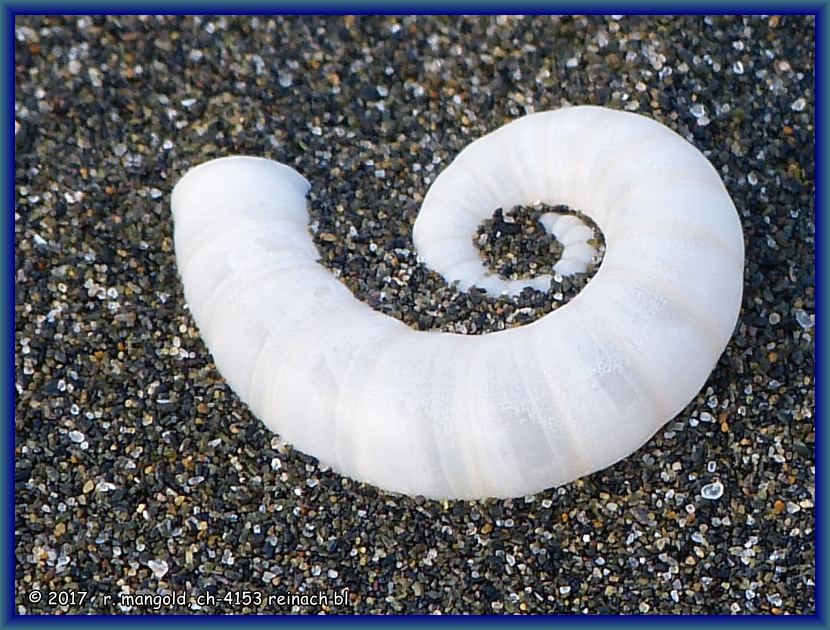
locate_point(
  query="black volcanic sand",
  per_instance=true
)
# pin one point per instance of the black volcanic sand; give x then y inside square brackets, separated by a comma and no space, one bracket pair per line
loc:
[139,471]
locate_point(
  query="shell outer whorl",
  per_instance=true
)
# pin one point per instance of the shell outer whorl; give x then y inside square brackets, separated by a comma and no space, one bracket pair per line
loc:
[502,414]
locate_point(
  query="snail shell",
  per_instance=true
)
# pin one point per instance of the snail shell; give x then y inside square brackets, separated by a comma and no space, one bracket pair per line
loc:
[459,416]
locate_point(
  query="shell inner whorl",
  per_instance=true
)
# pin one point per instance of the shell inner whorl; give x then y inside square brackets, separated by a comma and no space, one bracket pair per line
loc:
[544,245]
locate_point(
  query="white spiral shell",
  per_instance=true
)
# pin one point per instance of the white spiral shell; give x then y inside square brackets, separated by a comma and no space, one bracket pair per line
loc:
[460,416]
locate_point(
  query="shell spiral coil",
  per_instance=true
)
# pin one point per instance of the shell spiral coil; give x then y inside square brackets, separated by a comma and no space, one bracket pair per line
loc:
[501,414]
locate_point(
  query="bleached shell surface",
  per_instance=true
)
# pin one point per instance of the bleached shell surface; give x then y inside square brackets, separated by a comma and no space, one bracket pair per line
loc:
[461,416]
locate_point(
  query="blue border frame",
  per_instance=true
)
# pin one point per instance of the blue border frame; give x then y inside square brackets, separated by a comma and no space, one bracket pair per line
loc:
[414,7]
[821,379]
[7,387]
[8,11]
